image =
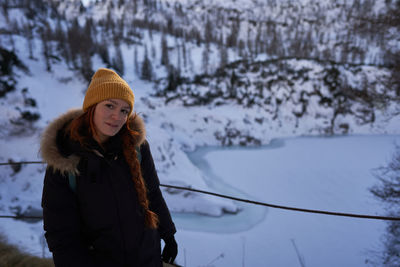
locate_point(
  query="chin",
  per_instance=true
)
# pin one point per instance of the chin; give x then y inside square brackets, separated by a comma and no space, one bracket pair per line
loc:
[112,134]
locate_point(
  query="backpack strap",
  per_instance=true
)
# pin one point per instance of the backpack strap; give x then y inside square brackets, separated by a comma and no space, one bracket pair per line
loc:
[72,177]
[72,181]
[139,155]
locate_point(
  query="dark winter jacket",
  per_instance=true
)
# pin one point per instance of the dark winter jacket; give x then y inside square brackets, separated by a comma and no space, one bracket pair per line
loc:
[101,223]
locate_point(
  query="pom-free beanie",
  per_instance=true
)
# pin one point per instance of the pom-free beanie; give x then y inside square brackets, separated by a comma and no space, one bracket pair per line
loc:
[107,84]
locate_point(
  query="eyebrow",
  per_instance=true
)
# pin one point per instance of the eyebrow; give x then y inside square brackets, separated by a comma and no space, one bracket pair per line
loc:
[115,103]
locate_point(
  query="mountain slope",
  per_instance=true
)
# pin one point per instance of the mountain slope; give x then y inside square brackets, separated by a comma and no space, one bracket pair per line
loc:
[214,75]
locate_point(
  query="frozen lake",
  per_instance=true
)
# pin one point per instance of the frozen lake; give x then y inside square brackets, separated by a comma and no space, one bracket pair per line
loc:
[332,174]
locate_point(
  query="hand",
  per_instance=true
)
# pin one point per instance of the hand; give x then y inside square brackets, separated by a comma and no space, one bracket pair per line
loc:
[170,250]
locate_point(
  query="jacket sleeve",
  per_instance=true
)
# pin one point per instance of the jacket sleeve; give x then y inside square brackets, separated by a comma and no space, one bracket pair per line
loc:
[62,223]
[157,203]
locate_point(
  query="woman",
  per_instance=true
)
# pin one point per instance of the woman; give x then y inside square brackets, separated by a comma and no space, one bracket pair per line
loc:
[101,201]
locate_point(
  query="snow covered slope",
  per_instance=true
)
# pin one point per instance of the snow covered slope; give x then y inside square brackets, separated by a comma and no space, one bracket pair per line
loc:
[267,86]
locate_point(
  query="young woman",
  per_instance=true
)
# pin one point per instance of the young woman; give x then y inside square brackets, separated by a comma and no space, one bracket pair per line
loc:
[101,201]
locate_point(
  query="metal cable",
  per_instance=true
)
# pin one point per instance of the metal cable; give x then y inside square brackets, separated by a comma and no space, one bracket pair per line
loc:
[342,214]
[286,207]
[21,217]
[21,162]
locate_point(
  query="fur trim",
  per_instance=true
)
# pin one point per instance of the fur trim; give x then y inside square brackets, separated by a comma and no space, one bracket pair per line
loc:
[48,145]
[138,125]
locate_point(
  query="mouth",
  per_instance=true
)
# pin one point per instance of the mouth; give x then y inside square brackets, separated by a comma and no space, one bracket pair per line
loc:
[112,125]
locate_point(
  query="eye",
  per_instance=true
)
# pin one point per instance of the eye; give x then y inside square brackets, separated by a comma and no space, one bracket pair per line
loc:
[110,106]
[125,112]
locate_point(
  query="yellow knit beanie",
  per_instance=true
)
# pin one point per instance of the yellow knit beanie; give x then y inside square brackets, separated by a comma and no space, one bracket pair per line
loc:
[107,84]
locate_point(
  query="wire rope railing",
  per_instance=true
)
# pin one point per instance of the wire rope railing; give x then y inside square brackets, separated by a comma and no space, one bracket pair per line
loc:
[259,203]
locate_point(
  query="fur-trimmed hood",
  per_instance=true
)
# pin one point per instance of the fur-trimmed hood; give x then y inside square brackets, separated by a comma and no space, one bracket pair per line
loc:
[49,148]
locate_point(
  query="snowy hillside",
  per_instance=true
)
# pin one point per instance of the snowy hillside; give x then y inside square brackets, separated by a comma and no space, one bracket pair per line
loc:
[204,73]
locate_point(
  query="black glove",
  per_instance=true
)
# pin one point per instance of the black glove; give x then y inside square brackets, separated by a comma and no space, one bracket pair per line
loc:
[170,250]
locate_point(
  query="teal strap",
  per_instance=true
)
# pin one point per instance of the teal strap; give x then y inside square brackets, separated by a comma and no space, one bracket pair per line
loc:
[72,181]
[139,155]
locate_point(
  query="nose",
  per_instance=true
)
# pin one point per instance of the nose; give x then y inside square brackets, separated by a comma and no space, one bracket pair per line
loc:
[116,115]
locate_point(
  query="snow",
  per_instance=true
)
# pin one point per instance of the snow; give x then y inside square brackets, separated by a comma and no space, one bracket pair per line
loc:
[308,172]
[331,174]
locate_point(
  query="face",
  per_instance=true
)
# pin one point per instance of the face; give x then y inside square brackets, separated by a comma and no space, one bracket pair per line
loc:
[109,117]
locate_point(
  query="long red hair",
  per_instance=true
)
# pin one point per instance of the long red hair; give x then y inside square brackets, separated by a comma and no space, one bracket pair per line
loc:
[82,129]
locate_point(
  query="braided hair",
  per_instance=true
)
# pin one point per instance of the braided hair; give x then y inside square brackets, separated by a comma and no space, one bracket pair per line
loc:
[129,139]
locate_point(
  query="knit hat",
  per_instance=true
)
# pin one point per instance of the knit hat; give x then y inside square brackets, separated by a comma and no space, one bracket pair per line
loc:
[107,84]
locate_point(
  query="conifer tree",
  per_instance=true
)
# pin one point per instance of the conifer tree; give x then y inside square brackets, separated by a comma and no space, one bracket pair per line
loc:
[208,31]
[233,85]
[46,38]
[184,55]
[164,51]
[153,51]
[118,61]
[147,69]
[74,40]
[223,55]
[174,79]
[242,49]
[102,51]
[86,67]
[206,58]
[103,48]
[120,29]
[109,23]
[388,190]
[249,42]
[89,31]
[178,57]
[190,60]
[4,9]
[170,26]
[87,45]
[134,6]
[28,32]
[135,60]
[232,38]
[258,42]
